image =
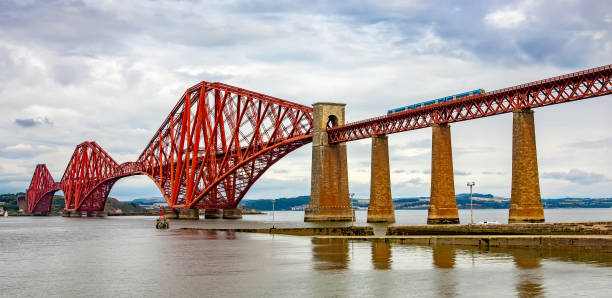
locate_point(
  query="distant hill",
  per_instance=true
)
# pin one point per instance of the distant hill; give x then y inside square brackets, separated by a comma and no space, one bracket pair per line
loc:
[279,204]
[148,201]
[113,205]
[480,201]
[9,202]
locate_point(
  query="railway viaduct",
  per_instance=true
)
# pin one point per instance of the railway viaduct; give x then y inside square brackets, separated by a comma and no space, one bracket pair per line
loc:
[219,139]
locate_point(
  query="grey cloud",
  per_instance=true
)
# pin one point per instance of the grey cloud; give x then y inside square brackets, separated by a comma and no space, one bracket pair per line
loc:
[69,27]
[591,144]
[423,143]
[544,36]
[471,150]
[399,171]
[288,56]
[416,180]
[576,176]
[462,173]
[427,172]
[31,122]
[492,173]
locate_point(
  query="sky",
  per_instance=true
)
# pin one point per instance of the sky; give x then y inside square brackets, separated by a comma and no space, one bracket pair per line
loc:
[110,71]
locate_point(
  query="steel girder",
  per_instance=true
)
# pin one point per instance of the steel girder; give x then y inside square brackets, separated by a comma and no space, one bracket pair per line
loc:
[42,188]
[216,142]
[219,139]
[571,87]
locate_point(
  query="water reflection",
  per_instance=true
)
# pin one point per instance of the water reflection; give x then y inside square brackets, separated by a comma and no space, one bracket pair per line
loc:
[443,257]
[330,254]
[529,283]
[381,255]
[126,256]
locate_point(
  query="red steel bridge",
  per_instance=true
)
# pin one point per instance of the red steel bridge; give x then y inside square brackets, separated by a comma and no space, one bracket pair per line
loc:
[219,139]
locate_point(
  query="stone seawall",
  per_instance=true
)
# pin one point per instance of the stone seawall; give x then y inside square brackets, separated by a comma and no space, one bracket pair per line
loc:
[328,231]
[587,228]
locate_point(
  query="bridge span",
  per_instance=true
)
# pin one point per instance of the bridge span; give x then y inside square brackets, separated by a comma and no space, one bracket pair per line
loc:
[219,139]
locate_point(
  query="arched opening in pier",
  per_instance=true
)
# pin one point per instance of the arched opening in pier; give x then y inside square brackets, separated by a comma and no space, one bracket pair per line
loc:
[332,121]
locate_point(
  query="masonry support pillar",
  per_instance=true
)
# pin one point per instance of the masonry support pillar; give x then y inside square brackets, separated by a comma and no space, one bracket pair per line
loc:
[525,201]
[442,205]
[232,213]
[213,213]
[96,214]
[381,204]
[193,214]
[329,194]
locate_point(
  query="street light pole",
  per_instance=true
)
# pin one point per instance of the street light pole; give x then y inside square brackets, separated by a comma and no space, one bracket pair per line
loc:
[471,184]
[273,211]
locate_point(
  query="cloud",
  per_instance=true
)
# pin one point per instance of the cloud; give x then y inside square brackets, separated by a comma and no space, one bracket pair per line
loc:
[576,176]
[457,151]
[416,180]
[31,122]
[462,173]
[25,150]
[591,144]
[505,19]
[492,173]
[111,71]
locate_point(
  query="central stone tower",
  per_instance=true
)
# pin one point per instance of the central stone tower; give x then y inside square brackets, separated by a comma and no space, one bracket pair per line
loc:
[329,194]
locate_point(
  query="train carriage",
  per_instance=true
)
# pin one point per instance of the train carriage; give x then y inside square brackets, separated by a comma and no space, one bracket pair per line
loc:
[439,100]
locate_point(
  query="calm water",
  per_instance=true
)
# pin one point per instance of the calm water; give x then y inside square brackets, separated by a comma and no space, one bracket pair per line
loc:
[126,256]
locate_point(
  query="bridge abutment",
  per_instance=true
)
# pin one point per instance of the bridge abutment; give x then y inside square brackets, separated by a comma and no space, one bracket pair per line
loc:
[233,213]
[381,203]
[442,204]
[329,194]
[525,201]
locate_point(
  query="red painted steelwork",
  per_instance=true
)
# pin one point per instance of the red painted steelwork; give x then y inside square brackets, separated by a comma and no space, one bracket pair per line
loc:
[216,142]
[219,139]
[42,188]
[571,87]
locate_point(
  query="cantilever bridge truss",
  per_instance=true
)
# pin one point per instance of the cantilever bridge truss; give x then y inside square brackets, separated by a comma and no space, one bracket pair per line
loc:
[219,139]
[216,142]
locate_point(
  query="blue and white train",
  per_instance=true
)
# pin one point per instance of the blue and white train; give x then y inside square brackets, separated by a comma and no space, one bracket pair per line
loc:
[439,100]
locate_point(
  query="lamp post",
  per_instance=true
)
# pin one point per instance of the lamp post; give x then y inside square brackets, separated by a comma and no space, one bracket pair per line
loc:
[273,211]
[471,184]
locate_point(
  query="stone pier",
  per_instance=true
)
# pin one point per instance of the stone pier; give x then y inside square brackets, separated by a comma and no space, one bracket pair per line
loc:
[381,204]
[442,205]
[213,213]
[233,213]
[329,194]
[525,201]
[180,213]
[96,214]
[71,213]
[189,214]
